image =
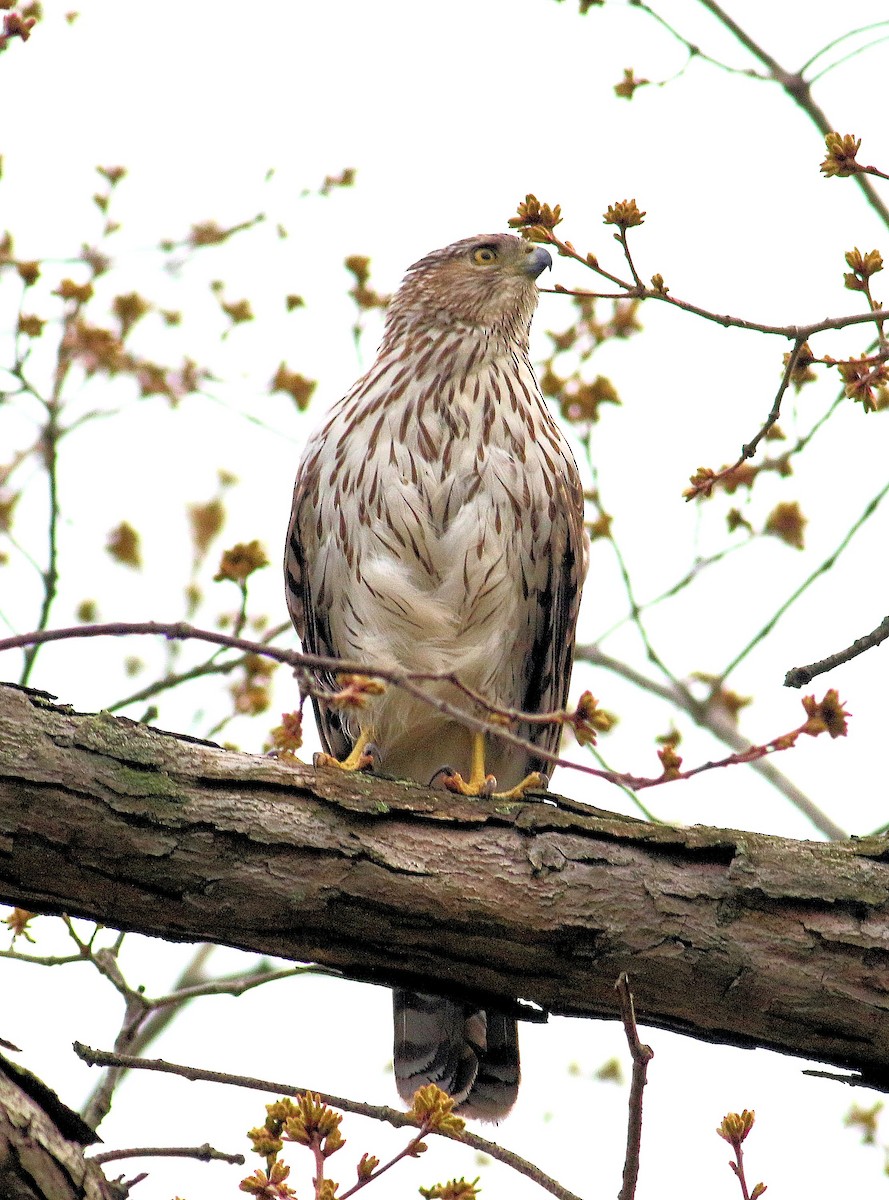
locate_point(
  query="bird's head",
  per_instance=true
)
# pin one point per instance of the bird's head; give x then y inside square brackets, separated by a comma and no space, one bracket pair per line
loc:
[485,281]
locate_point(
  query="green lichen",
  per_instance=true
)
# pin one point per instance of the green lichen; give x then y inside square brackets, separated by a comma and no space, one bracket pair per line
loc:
[125,780]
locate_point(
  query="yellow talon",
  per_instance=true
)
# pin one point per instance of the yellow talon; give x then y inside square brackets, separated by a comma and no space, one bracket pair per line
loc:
[482,784]
[356,760]
[535,782]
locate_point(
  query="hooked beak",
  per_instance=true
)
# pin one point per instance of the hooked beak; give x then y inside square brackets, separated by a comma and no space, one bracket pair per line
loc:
[537,261]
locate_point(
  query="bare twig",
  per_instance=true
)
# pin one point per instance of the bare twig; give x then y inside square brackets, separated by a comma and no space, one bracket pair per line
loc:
[43,960]
[831,45]
[237,985]
[635,613]
[822,569]
[631,292]
[145,1023]
[846,58]
[212,666]
[800,91]
[695,51]
[204,1153]
[411,682]
[708,718]
[748,450]
[50,576]
[799,676]
[400,1120]
[642,1056]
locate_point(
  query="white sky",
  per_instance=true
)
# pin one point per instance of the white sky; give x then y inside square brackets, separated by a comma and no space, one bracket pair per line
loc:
[451,113]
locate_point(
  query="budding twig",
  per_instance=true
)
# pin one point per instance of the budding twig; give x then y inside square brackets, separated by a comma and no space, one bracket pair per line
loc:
[378,1112]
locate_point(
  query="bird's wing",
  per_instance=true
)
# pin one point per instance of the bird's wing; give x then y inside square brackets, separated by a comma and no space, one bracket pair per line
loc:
[548,666]
[310,618]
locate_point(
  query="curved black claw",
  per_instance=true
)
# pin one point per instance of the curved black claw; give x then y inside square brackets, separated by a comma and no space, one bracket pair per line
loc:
[375,754]
[452,781]
[440,775]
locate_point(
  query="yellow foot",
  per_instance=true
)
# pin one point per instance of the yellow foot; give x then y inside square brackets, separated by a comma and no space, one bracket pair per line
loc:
[535,782]
[362,755]
[482,784]
[473,786]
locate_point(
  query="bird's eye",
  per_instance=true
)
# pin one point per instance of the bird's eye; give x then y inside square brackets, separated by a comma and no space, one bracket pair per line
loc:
[484,255]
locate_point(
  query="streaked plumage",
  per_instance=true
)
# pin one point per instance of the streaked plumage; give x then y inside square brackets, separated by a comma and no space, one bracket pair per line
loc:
[438,525]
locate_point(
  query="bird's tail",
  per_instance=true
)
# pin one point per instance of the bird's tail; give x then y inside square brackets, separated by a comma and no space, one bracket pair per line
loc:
[469,1052]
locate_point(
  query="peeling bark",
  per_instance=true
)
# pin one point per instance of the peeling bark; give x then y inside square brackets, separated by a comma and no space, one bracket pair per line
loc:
[730,937]
[41,1145]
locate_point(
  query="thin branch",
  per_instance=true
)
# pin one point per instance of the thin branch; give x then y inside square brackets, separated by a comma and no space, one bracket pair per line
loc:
[408,1151]
[410,681]
[707,718]
[212,666]
[695,51]
[204,1153]
[824,567]
[799,676]
[143,1022]
[847,58]
[633,291]
[697,568]
[622,238]
[642,1056]
[844,37]
[302,663]
[237,985]
[626,789]
[704,487]
[50,575]
[791,332]
[43,961]
[800,91]
[391,1116]
[635,614]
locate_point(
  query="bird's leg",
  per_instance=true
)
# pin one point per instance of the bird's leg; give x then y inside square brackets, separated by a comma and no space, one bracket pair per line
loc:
[478,783]
[482,784]
[362,755]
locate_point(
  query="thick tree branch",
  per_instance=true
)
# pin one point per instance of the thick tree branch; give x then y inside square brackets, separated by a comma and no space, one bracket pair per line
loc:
[41,1145]
[731,937]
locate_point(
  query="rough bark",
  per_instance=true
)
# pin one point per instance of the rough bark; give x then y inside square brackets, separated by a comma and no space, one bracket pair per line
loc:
[728,936]
[41,1145]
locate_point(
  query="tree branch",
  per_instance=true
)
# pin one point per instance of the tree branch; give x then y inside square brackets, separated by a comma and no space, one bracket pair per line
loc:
[204,1153]
[641,1056]
[378,1112]
[708,716]
[800,91]
[798,677]
[734,937]
[41,1145]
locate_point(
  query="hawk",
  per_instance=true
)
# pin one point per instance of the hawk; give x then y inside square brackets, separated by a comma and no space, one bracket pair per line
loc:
[437,525]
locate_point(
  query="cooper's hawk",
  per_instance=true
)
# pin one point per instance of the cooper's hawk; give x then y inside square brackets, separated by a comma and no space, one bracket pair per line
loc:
[437,525]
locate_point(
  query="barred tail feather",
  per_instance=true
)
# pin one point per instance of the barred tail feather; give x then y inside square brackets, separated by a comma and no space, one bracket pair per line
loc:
[470,1053]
